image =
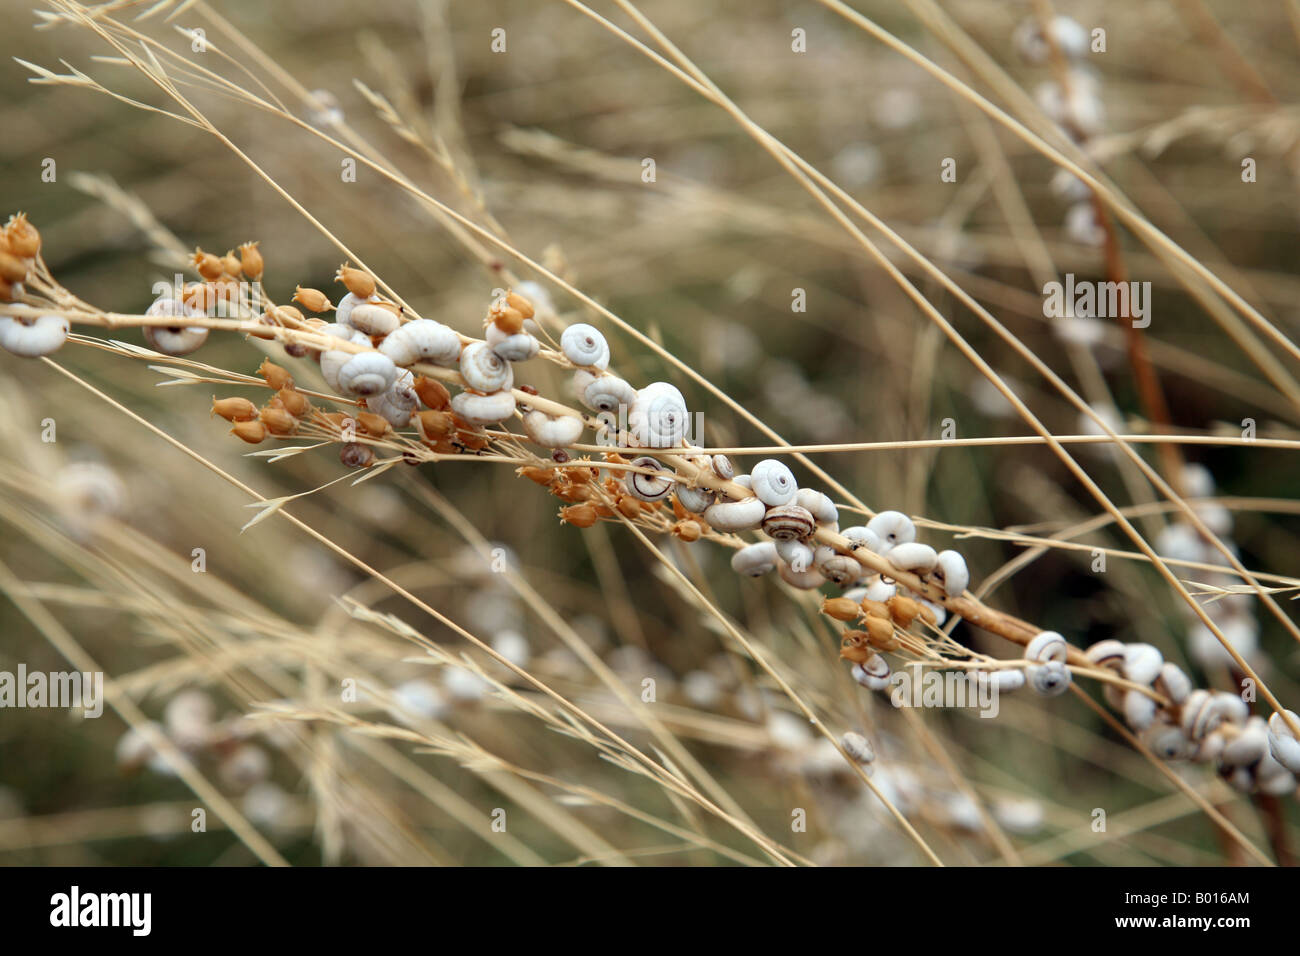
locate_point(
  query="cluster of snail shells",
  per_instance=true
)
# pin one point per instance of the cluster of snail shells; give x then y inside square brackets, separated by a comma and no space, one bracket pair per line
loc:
[1046,674]
[1199,725]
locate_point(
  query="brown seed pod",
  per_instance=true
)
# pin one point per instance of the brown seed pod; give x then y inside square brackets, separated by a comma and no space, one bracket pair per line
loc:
[278,421]
[436,424]
[234,409]
[472,440]
[519,304]
[875,608]
[294,401]
[841,608]
[567,491]
[433,393]
[628,506]
[880,634]
[541,476]
[313,299]
[274,375]
[903,610]
[580,516]
[209,266]
[24,239]
[251,432]
[688,530]
[288,315]
[508,320]
[12,267]
[230,264]
[359,283]
[250,260]
[356,455]
[376,426]
[854,647]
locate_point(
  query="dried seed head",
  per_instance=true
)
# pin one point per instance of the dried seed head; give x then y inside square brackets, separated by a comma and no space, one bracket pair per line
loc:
[234,409]
[373,425]
[855,647]
[24,239]
[359,283]
[356,455]
[293,401]
[436,424]
[841,608]
[251,432]
[433,393]
[903,610]
[880,634]
[275,376]
[209,266]
[581,516]
[278,421]
[288,315]
[12,267]
[628,506]
[230,264]
[688,530]
[250,260]
[875,608]
[509,320]
[520,304]
[541,476]
[314,299]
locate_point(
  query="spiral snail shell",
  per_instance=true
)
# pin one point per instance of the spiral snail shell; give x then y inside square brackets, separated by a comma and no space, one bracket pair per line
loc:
[837,568]
[607,392]
[422,340]
[483,370]
[367,373]
[695,500]
[913,556]
[739,515]
[373,319]
[755,559]
[951,573]
[584,345]
[519,347]
[722,467]
[808,580]
[648,487]
[1047,646]
[553,431]
[174,339]
[343,311]
[398,403]
[1282,742]
[818,505]
[1049,680]
[1139,710]
[1142,663]
[774,483]
[658,416]
[44,336]
[786,522]
[893,528]
[873,673]
[796,554]
[484,409]
[860,536]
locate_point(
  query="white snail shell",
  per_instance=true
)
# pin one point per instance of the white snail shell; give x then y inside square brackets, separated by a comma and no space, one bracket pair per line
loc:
[913,556]
[343,311]
[1109,653]
[788,522]
[1168,742]
[952,573]
[893,528]
[739,515]
[1282,742]
[860,536]
[722,467]
[819,505]
[553,431]
[398,403]
[367,373]
[1173,683]
[695,500]
[333,360]
[858,747]
[1230,707]
[808,580]
[872,673]
[940,612]
[422,340]
[484,370]
[880,590]
[755,559]
[837,568]
[1248,747]
[1273,778]
[796,554]
[519,347]
[175,340]
[658,417]
[773,482]
[1198,716]
[607,393]
[1049,680]
[43,337]
[1139,710]
[583,344]
[484,409]
[1003,680]
[373,319]
[648,487]
[1142,663]
[1047,646]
